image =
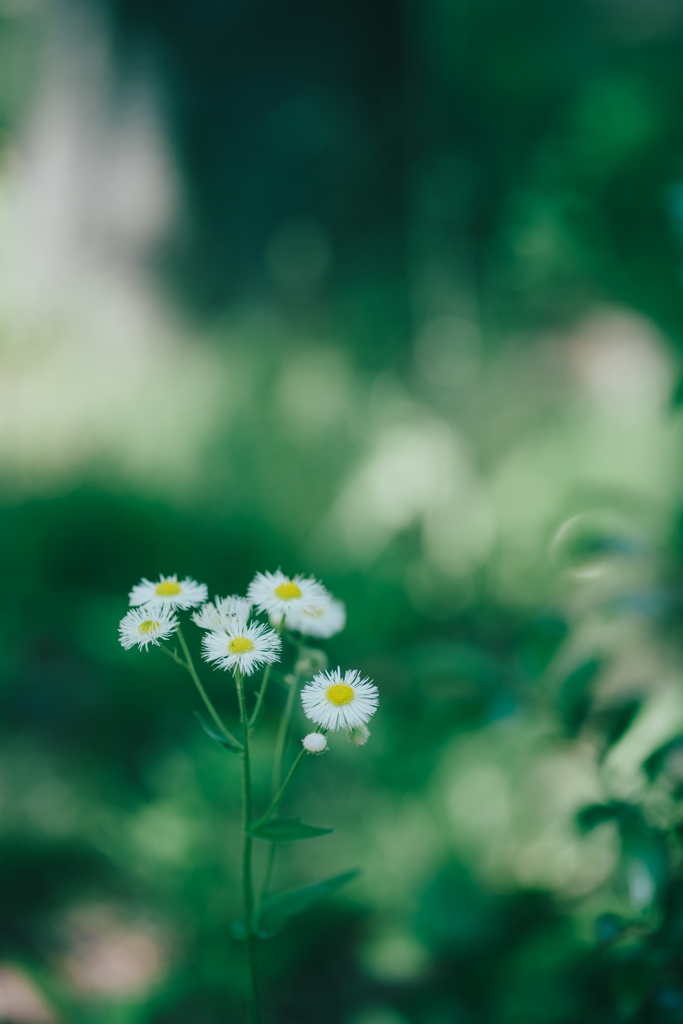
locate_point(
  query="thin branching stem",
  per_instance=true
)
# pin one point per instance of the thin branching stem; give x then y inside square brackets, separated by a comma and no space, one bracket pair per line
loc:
[247,890]
[264,685]
[277,774]
[282,790]
[188,665]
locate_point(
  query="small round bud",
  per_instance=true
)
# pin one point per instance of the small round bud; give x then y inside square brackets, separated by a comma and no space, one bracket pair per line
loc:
[315,743]
[359,735]
[310,661]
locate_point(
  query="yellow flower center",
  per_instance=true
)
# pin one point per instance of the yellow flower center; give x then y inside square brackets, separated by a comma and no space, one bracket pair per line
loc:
[286,591]
[240,645]
[168,589]
[148,627]
[340,694]
[314,613]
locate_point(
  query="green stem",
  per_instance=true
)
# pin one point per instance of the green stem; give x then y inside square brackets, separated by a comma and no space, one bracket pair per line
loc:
[247,891]
[259,700]
[277,776]
[264,684]
[189,665]
[282,736]
[283,789]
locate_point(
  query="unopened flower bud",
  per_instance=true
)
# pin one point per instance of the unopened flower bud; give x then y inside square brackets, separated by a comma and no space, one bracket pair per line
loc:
[311,660]
[315,743]
[359,735]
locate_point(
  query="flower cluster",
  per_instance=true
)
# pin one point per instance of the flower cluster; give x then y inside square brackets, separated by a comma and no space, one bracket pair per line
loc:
[237,642]
[304,603]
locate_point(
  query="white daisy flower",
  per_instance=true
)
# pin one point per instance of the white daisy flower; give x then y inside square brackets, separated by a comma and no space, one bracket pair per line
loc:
[315,743]
[225,612]
[322,618]
[243,647]
[278,595]
[143,626]
[359,735]
[339,703]
[168,592]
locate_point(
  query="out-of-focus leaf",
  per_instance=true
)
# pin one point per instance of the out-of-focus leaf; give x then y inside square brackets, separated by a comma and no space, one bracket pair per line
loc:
[654,764]
[645,849]
[617,721]
[286,830]
[590,817]
[576,694]
[218,737]
[276,911]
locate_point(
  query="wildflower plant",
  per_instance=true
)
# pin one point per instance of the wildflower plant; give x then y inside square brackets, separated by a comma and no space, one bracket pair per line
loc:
[235,641]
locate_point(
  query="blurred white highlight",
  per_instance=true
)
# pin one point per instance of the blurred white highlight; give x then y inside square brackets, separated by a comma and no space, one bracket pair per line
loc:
[111,954]
[93,370]
[416,473]
[21,1001]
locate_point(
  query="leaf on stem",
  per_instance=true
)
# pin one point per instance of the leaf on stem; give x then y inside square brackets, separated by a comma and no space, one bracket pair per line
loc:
[219,737]
[276,911]
[285,830]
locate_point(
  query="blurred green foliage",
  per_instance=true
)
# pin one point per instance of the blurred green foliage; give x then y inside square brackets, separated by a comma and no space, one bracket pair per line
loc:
[429,269]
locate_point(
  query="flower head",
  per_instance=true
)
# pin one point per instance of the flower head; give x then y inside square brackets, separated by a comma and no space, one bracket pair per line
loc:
[242,647]
[224,613]
[335,702]
[315,743]
[144,626]
[359,735]
[279,595]
[168,592]
[323,617]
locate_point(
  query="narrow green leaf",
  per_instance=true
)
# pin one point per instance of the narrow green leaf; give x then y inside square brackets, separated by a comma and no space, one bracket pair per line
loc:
[276,911]
[285,830]
[219,737]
